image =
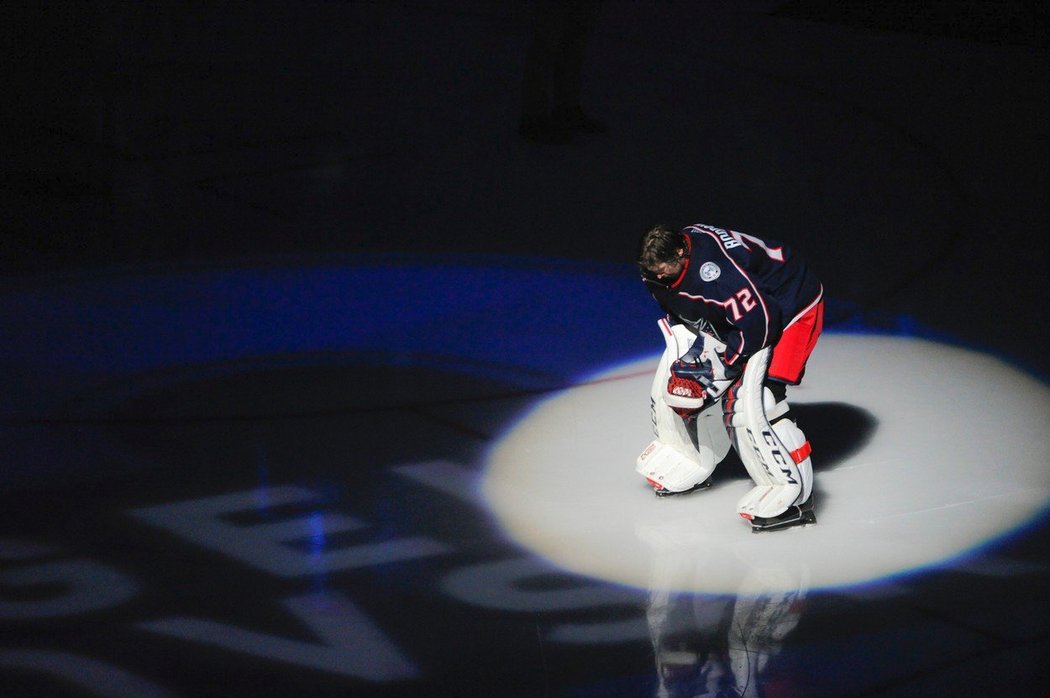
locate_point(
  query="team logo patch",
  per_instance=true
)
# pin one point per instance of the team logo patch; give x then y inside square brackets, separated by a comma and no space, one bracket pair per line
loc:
[710,271]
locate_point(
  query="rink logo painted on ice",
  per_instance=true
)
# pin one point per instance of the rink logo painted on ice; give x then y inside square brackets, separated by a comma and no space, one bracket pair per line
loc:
[346,641]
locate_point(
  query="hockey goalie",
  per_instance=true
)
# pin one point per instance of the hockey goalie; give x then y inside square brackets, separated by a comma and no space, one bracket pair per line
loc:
[742,318]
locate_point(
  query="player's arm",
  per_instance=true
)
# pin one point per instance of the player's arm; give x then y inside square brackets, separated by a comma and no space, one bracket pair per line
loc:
[754,323]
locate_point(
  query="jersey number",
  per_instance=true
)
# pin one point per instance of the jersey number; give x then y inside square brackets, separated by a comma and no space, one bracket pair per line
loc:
[747,302]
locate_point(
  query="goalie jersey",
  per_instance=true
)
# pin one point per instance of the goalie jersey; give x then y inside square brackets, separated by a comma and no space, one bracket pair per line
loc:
[743,290]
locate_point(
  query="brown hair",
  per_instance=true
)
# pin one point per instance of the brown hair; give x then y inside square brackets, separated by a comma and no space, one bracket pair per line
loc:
[659,244]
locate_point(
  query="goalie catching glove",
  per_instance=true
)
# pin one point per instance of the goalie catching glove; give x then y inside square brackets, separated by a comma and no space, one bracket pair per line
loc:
[693,376]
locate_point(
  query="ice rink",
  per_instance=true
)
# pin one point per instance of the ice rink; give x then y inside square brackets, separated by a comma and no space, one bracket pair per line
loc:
[320,381]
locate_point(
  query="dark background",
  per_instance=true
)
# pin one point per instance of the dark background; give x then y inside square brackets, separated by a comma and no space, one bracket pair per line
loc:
[901,146]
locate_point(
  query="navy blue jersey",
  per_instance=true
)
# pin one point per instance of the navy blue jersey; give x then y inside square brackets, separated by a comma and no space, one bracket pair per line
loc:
[740,289]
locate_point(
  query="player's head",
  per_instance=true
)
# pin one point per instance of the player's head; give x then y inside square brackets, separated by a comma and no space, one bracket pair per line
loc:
[661,252]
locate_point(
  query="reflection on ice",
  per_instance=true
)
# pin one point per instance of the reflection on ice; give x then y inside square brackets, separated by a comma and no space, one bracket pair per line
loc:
[707,645]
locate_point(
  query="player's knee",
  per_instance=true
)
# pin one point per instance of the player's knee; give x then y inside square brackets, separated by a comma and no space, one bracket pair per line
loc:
[775,408]
[777,388]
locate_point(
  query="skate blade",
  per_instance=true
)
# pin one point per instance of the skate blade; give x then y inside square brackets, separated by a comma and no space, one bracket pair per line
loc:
[806,518]
[662,492]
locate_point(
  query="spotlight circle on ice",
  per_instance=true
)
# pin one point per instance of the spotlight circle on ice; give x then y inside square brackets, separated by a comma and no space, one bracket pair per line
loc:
[956,458]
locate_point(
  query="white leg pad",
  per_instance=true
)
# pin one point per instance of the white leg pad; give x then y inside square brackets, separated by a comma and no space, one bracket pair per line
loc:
[744,405]
[767,501]
[749,503]
[665,467]
[795,481]
[798,461]
[672,461]
[743,438]
[776,456]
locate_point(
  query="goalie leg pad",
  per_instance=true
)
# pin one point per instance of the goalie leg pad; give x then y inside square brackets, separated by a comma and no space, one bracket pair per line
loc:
[765,503]
[670,471]
[776,455]
[744,413]
[685,451]
[799,450]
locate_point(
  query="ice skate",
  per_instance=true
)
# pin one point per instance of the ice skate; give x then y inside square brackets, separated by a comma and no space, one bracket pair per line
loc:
[661,491]
[796,515]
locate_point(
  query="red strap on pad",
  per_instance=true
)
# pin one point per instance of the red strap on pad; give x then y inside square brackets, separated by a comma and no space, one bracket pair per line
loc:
[801,453]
